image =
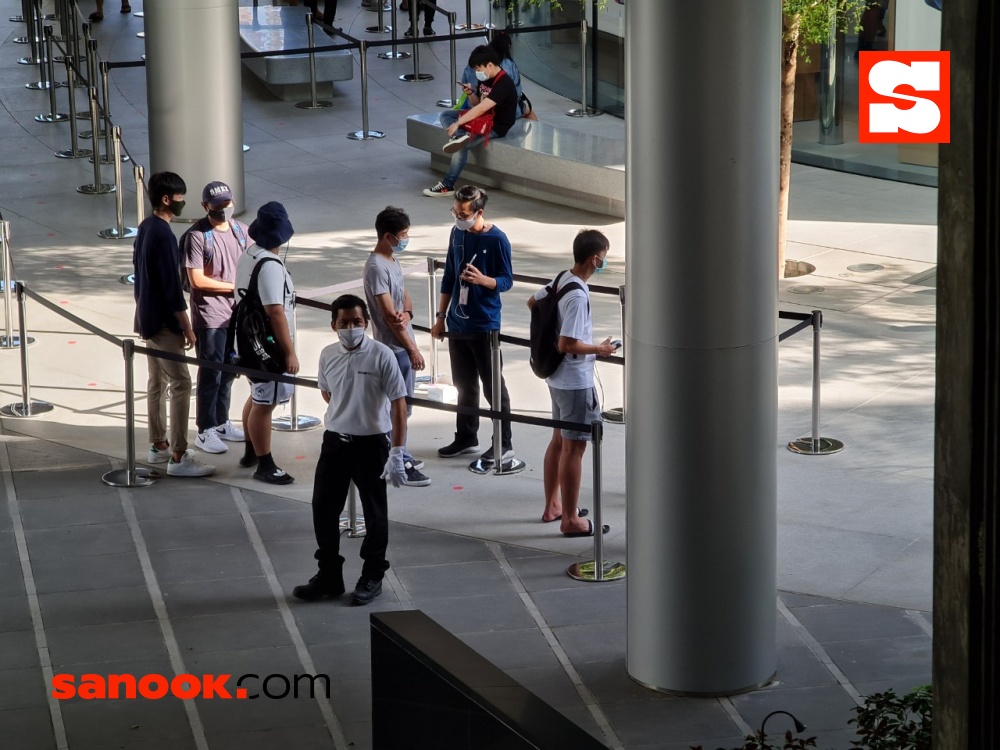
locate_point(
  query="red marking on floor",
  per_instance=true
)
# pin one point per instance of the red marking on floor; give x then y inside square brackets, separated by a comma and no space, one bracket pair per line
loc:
[458,487]
[70,342]
[300,458]
[64,302]
[91,385]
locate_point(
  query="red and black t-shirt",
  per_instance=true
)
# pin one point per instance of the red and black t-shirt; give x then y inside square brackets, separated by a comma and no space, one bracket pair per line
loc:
[501,90]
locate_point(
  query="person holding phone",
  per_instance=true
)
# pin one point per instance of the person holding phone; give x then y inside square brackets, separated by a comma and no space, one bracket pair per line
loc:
[571,386]
[477,271]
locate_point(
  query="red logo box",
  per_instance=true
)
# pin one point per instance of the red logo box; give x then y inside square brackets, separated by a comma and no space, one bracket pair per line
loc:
[904,97]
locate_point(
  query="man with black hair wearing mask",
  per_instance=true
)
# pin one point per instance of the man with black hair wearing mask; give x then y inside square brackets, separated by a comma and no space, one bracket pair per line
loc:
[211,248]
[161,320]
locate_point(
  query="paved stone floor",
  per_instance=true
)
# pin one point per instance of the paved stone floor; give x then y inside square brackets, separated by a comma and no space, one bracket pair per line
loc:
[196,575]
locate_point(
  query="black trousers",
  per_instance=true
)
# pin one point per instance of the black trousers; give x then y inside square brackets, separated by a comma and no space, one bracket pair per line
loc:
[360,459]
[470,363]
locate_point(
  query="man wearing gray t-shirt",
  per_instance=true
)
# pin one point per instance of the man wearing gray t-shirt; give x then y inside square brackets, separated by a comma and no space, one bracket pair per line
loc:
[392,310]
[210,250]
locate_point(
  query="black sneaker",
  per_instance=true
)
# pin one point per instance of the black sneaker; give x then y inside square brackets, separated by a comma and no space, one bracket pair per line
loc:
[429,31]
[274,475]
[487,457]
[413,477]
[318,587]
[457,142]
[366,590]
[418,464]
[458,449]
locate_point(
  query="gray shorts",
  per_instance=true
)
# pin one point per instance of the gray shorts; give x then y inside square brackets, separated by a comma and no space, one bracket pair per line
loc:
[581,405]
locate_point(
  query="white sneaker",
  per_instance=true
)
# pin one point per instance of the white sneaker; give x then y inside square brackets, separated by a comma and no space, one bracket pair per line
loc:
[231,432]
[156,456]
[210,441]
[189,466]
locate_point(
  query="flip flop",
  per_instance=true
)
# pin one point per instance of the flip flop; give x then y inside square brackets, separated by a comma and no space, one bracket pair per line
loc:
[580,513]
[589,532]
[95,16]
[126,8]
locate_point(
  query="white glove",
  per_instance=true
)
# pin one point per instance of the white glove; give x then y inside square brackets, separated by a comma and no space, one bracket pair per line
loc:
[394,470]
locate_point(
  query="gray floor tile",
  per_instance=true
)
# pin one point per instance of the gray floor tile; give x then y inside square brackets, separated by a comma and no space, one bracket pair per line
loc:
[71,608]
[259,502]
[548,683]
[22,688]
[819,708]
[547,573]
[795,601]
[585,603]
[900,686]
[432,547]
[286,525]
[453,581]
[478,614]
[517,552]
[147,743]
[343,662]
[31,485]
[28,728]
[18,650]
[358,732]
[73,541]
[205,564]
[680,720]
[293,558]
[14,613]
[221,716]
[183,503]
[512,649]
[799,667]
[230,632]
[108,642]
[888,659]
[8,546]
[231,596]
[352,698]
[11,580]
[609,682]
[336,621]
[725,742]
[582,717]
[87,573]
[855,622]
[300,738]
[193,531]
[128,722]
[255,661]
[602,641]
[75,510]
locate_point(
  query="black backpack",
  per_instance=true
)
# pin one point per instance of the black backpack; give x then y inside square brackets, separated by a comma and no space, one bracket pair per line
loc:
[250,330]
[545,354]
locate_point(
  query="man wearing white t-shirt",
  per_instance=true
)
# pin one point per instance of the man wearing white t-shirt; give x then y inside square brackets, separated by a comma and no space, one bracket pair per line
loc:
[571,386]
[270,230]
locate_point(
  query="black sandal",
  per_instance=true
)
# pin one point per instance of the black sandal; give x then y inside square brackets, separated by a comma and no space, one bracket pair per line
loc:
[96,17]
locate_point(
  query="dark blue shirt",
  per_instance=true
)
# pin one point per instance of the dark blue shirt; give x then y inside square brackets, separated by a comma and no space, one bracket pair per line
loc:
[492,257]
[158,292]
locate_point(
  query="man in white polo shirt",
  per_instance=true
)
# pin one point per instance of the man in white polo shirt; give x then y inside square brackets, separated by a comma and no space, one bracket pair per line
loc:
[366,396]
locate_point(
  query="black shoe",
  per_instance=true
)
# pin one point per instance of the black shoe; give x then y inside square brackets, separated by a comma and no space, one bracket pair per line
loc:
[274,475]
[318,587]
[428,31]
[458,448]
[408,33]
[487,457]
[366,591]
[413,476]
[248,462]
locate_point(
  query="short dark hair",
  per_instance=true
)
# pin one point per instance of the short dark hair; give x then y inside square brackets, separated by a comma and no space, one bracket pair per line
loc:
[391,220]
[483,55]
[164,184]
[501,44]
[472,194]
[588,243]
[348,302]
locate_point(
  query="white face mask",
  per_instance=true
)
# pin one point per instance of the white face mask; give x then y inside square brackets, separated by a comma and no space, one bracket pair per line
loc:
[228,211]
[351,337]
[481,75]
[466,224]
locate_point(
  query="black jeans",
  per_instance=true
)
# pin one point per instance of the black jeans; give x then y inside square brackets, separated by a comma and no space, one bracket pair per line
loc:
[421,8]
[214,386]
[470,363]
[361,460]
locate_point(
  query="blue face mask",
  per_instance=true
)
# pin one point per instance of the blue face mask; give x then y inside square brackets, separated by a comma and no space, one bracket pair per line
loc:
[401,244]
[604,264]
[481,75]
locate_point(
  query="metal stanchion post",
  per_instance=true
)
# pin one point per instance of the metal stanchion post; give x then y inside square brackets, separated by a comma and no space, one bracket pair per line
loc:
[814,445]
[452,17]
[497,465]
[130,476]
[27,407]
[138,172]
[74,39]
[32,37]
[91,80]
[72,152]
[98,187]
[41,57]
[432,314]
[393,54]
[106,118]
[51,115]
[616,415]
[23,17]
[352,523]
[312,103]
[119,231]
[598,569]
[416,76]
[584,110]
[381,28]
[365,134]
[9,340]
[295,422]
[468,25]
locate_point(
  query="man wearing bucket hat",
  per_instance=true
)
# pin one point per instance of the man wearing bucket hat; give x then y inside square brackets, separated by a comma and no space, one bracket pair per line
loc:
[270,230]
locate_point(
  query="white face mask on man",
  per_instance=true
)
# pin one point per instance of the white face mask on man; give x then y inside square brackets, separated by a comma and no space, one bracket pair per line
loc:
[351,338]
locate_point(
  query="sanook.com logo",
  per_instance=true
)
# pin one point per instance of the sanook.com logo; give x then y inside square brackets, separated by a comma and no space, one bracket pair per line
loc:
[186,686]
[904,97]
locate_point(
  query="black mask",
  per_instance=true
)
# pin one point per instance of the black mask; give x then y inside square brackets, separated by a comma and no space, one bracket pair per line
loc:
[219,214]
[176,207]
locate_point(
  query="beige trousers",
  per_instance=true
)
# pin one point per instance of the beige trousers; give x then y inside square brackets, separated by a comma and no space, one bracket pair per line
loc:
[168,381]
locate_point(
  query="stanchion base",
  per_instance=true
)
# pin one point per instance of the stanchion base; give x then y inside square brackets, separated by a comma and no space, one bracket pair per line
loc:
[16,19]
[27,60]
[822,447]
[614,416]
[106,159]
[55,117]
[112,233]
[378,29]
[314,105]
[587,571]
[101,189]
[141,35]
[303,423]
[86,135]
[140,478]
[416,77]
[393,55]
[127,279]
[21,40]
[581,112]
[39,85]
[514,466]
[474,26]
[17,411]
[361,135]
[448,103]
[15,341]
[82,116]
[71,154]
[360,529]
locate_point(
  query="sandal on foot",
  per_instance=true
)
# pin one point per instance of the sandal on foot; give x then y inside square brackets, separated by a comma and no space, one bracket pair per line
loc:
[95,16]
[580,513]
[589,532]
[126,8]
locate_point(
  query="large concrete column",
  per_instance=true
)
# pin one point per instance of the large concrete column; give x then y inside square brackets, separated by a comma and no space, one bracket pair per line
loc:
[701,441]
[194,95]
